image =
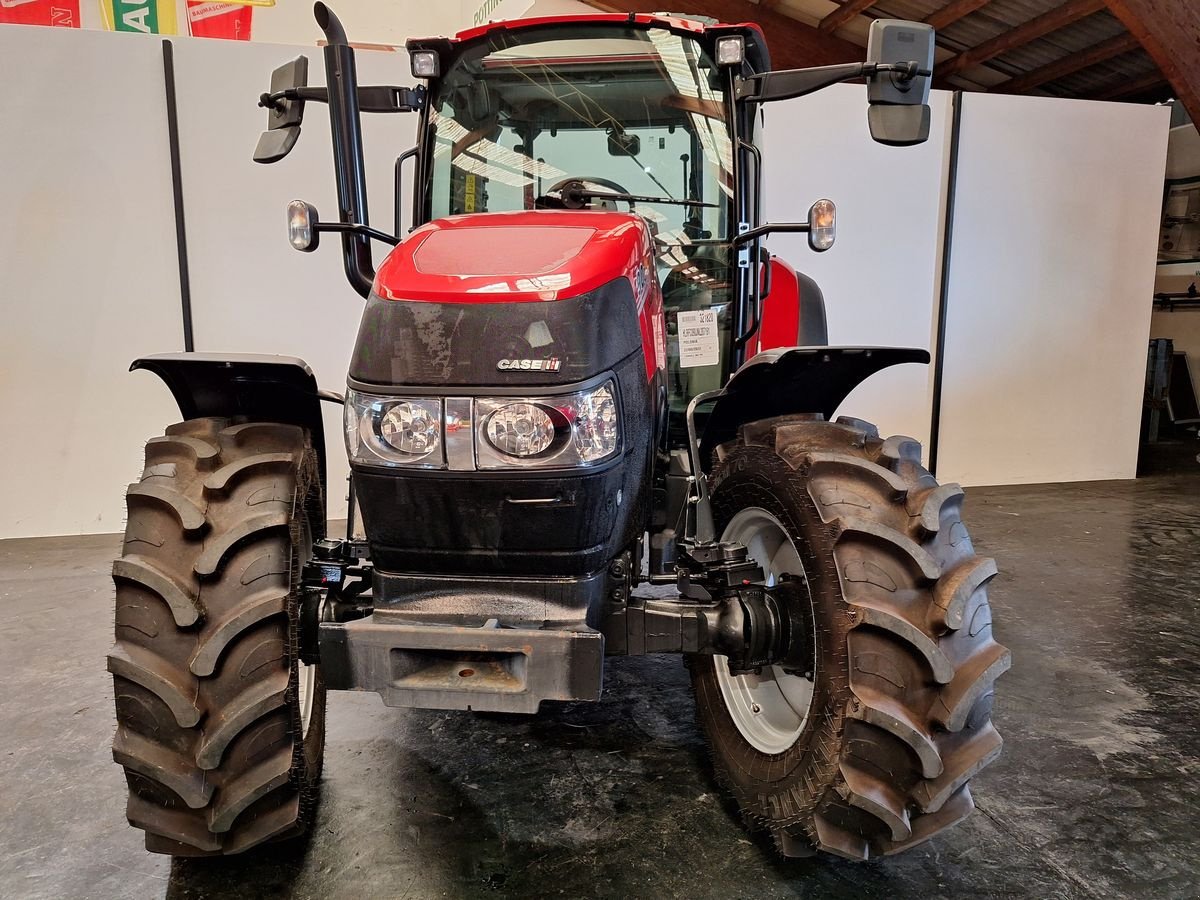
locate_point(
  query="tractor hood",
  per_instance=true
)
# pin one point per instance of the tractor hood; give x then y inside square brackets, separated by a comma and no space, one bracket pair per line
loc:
[506,257]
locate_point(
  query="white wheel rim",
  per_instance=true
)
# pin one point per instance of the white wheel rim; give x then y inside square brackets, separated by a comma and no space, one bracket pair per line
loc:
[771,709]
[306,675]
[307,682]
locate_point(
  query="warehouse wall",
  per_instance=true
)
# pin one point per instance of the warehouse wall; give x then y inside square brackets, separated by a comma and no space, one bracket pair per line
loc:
[881,277]
[88,261]
[1055,238]
[87,274]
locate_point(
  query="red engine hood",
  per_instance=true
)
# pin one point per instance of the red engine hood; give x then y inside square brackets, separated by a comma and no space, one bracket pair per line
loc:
[504,257]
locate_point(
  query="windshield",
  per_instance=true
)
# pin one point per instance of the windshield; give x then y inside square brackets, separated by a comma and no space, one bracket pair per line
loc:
[632,111]
[623,110]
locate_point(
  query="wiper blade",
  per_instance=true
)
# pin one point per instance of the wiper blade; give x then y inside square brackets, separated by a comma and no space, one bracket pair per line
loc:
[576,196]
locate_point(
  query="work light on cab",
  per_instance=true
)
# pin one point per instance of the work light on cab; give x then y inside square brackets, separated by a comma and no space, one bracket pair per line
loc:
[425,64]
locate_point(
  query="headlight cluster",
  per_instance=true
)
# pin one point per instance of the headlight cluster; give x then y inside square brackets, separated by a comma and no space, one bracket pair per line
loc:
[394,432]
[571,430]
[578,429]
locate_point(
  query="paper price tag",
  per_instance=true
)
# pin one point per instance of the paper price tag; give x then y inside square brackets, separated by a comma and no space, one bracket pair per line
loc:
[699,341]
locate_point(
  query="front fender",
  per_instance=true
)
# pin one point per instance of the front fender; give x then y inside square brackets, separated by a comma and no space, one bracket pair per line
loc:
[794,380]
[257,386]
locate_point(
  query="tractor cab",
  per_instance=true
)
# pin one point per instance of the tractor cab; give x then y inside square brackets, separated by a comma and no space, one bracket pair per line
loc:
[651,115]
[604,113]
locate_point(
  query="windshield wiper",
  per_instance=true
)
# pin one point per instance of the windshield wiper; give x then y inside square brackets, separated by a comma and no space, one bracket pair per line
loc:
[574,195]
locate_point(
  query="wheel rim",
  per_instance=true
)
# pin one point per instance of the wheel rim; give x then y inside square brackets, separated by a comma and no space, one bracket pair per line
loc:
[306,675]
[771,709]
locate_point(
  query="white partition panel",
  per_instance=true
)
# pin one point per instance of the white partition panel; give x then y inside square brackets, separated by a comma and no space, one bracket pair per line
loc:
[880,279]
[251,292]
[1052,268]
[88,274]
[1053,261]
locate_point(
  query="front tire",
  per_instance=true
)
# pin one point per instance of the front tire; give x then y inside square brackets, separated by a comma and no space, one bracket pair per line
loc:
[866,748]
[220,727]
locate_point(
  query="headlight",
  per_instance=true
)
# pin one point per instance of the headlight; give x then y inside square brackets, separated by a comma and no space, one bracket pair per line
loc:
[571,430]
[394,431]
[411,428]
[524,429]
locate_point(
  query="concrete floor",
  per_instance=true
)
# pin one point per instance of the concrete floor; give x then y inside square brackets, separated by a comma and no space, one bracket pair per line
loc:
[1096,794]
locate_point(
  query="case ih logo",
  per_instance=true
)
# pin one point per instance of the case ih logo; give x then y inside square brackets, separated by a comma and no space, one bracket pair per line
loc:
[530,365]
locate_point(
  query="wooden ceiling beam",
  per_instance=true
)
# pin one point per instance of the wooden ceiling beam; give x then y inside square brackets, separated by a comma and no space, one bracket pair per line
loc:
[849,10]
[952,12]
[1168,29]
[1068,65]
[1131,87]
[793,44]
[1039,26]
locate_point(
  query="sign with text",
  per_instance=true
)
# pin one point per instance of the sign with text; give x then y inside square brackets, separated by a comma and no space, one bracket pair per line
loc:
[699,340]
[59,13]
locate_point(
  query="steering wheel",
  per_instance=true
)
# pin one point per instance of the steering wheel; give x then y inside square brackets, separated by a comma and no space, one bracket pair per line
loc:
[606,183]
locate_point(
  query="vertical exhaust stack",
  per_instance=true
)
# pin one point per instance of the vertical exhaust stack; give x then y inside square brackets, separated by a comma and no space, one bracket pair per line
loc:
[345,126]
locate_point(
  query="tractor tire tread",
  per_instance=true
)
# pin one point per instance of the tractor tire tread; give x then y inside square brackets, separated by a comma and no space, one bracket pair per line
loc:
[204,657]
[908,724]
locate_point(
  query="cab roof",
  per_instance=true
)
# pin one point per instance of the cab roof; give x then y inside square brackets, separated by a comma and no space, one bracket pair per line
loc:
[756,44]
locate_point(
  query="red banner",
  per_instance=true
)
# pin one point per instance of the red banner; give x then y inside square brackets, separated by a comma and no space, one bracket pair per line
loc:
[63,13]
[230,21]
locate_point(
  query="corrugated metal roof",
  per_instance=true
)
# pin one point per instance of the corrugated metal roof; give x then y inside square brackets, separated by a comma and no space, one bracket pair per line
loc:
[1124,68]
[1063,42]
[915,10]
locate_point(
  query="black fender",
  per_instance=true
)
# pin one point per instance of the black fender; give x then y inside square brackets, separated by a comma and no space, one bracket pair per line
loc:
[258,386]
[814,332]
[794,380]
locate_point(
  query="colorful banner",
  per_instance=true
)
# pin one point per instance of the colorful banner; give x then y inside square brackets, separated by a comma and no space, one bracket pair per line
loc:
[230,21]
[146,16]
[61,13]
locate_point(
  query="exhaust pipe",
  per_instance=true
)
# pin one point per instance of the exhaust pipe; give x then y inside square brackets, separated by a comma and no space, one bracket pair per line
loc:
[345,126]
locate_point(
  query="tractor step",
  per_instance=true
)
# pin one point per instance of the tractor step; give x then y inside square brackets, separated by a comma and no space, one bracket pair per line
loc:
[486,667]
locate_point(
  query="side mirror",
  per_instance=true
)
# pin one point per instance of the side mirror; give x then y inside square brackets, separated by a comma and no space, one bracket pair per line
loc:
[899,102]
[283,115]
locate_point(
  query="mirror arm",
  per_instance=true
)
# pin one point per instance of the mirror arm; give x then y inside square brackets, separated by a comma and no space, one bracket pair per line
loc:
[761,230]
[356,228]
[787,84]
[371,98]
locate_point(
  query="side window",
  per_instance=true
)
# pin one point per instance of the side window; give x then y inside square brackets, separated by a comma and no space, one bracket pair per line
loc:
[701,283]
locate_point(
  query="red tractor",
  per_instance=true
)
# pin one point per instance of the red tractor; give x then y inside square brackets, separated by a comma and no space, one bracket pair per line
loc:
[580,374]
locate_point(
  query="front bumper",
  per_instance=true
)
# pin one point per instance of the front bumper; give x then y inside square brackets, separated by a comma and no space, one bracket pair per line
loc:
[485,667]
[500,644]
